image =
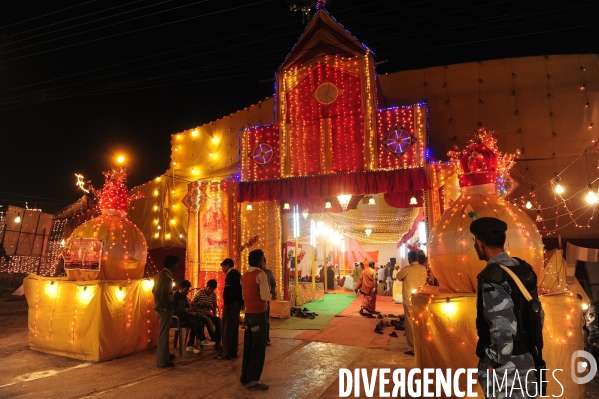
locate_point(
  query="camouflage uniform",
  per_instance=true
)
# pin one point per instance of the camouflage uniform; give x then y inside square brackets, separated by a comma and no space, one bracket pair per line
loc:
[591,324]
[591,329]
[499,319]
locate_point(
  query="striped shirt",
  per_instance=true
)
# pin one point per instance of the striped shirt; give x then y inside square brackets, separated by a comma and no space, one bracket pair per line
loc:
[206,303]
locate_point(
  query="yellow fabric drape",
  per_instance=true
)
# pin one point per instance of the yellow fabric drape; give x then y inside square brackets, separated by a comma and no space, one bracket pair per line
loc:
[90,320]
[445,334]
[264,221]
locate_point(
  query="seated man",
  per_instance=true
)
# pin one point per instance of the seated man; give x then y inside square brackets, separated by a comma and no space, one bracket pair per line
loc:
[205,303]
[186,315]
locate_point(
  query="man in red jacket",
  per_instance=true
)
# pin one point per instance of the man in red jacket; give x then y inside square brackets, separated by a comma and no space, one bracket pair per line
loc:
[256,294]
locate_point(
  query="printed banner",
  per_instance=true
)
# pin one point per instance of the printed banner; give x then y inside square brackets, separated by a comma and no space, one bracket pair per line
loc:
[83,253]
[214,226]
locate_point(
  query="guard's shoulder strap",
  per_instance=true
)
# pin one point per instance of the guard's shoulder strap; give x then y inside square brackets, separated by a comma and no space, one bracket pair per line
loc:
[523,289]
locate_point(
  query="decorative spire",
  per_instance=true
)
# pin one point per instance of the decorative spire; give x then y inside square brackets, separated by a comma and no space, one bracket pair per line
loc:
[320,4]
[114,196]
[481,162]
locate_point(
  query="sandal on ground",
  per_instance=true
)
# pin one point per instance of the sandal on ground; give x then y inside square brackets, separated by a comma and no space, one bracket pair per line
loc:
[258,387]
[393,334]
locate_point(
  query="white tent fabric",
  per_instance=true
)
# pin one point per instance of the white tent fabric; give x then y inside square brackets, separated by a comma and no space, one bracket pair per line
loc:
[575,253]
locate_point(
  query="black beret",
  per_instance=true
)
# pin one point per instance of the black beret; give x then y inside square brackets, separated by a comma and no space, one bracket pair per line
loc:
[487,224]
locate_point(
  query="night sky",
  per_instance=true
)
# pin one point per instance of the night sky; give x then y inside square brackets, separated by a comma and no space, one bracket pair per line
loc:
[82,81]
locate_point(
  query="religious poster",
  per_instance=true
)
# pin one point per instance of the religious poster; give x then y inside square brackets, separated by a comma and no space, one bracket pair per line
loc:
[214,227]
[83,254]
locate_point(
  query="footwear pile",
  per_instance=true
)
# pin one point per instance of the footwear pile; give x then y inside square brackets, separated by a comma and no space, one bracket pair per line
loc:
[303,313]
[398,324]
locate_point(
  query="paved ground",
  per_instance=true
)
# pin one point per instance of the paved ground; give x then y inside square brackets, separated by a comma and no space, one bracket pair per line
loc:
[294,368]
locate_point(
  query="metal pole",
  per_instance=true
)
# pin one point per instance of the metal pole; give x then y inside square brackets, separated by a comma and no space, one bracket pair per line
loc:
[296,234]
[313,243]
[326,266]
[39,265]
[342,257]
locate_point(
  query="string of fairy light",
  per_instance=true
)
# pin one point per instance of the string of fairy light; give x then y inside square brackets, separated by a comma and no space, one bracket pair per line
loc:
[563,202]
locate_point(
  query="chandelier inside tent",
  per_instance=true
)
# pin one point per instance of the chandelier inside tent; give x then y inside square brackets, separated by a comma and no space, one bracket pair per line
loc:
[344,200]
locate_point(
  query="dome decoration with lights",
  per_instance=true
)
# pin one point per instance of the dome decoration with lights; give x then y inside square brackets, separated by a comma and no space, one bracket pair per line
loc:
[480,166]
[108,247]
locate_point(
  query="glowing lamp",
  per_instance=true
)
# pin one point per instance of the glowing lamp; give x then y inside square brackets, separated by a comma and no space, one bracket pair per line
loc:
[120,294]
[155,207]
[84,295]
[249,207]
[168,236]
[180,235]
[286,205]
[147,284]
[413,201]
[414,291]
[305,214]
[194,133]
[52,290]
[327,205]
[18,218]
[585,306]
[158,179]
[155,193]
[344,200]
[156,235]
[528,205]
[158,227]
[591,196]
[368,232]
[449,308]
[156,221]
[559,189]
[120,159]
[371,201]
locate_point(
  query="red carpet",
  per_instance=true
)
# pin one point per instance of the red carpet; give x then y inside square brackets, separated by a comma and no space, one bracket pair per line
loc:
[350,331]
[349,328]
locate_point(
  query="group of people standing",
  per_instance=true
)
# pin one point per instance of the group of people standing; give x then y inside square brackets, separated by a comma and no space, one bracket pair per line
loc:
[503,342]
[251,291]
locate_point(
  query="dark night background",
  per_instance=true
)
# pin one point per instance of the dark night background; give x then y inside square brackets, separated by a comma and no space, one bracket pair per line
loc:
[81,81]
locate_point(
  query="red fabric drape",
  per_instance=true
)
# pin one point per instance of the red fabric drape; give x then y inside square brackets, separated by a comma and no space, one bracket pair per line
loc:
[403,180]
[410,233]
[402,200]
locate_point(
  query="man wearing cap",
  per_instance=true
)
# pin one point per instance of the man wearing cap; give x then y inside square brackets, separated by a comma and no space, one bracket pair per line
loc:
[496,320]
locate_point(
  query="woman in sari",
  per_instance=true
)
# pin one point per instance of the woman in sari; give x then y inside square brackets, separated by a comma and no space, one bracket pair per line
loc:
[367,285]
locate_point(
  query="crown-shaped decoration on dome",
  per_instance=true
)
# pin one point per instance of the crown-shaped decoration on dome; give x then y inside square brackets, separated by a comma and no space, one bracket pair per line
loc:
[114,196]
[481,162]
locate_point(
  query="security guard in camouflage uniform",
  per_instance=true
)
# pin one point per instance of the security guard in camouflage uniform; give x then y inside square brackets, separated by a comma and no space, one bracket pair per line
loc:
[591,328]
[496,321]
